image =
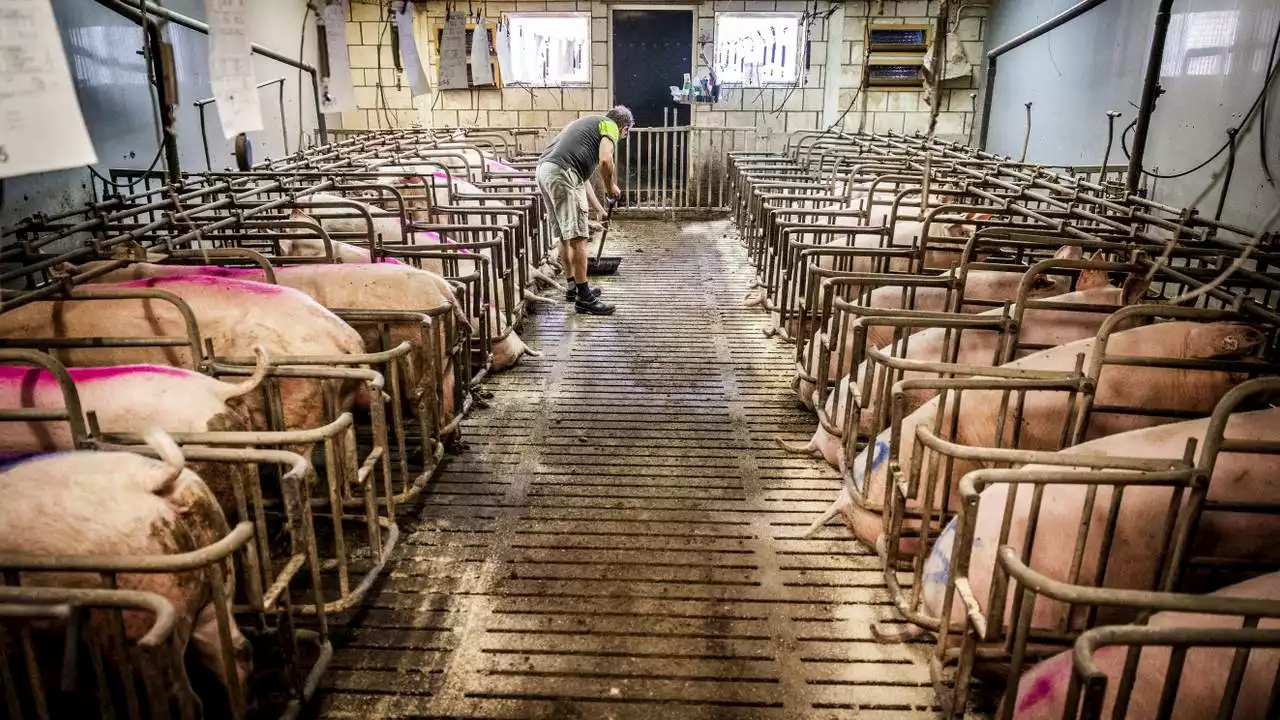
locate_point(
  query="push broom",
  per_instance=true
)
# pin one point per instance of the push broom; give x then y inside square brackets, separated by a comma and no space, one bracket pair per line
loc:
[604,265]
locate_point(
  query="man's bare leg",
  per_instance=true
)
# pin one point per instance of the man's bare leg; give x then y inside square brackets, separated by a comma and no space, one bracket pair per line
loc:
[578,258]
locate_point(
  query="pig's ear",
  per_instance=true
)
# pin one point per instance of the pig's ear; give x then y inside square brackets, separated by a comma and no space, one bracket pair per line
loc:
[1135,286]
[1090,279]
[1068,252]
[1223,339]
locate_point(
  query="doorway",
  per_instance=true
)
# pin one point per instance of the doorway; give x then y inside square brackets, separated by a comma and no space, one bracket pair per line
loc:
[652,50]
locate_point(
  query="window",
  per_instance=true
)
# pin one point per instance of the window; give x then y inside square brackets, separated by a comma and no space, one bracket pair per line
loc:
[754,49]
[549,49]
[1199,43]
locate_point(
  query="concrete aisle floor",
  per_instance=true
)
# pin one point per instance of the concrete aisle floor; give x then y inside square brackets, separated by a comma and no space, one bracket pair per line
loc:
[621,538]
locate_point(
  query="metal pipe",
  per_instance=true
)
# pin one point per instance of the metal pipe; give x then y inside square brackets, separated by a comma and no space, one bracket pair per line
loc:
[1150,91]
[1018,41]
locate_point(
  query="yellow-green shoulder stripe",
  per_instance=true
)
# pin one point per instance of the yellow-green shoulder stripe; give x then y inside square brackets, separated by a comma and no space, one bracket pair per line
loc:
[609,129]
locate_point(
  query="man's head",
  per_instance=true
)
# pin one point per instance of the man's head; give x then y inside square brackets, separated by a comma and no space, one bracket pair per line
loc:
[621,116]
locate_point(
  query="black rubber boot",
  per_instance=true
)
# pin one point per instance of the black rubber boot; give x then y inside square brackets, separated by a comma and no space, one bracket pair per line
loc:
[594,306]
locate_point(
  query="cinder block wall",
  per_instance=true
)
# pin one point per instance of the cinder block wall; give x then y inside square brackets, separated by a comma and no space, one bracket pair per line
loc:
[771,111]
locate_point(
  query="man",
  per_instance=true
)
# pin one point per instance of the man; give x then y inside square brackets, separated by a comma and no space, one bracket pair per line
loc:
[564,175]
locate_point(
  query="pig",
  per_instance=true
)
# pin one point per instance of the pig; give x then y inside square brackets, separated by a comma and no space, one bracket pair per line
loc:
[1045,412]
[237,315]
[1042,690]
[347,218]
[124,504]
[980,347]
[132,399]
[1237,536]
[824,443]
[994,285]
[352,287]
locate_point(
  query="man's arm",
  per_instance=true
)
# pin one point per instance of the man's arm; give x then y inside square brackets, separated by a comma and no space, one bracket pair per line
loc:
[594,201]
[608,171]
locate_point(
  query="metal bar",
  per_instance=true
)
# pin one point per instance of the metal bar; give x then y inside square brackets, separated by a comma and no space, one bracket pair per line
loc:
[1150,91]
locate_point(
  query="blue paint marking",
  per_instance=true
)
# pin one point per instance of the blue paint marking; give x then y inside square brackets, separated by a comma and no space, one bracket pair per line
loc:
[881,450]
[938,566]
[10,460]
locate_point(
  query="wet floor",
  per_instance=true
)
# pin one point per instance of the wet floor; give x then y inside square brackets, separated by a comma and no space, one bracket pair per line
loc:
[621,538]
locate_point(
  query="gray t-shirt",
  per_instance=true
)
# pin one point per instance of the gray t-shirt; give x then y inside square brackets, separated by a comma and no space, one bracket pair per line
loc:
[577,147]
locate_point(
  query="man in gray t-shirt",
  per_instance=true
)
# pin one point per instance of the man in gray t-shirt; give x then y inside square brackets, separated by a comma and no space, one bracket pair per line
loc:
[564,176]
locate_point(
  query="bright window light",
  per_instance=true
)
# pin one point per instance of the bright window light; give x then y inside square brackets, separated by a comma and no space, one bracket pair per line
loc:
[549,49]
[754,49]
[1200,43]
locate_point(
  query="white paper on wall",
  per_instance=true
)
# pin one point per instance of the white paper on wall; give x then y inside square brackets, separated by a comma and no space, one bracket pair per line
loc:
[336,91]
[409,58]
[502,41]
[481,71]
[453,53]
[41,127]
[231,67]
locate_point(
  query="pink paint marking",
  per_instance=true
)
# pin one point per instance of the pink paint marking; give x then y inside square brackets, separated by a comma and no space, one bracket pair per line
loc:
[498,166]
[221,283]
[18,374]
[211,271]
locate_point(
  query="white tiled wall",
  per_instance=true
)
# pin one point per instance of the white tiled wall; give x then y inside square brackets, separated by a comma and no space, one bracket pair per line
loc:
[772,111]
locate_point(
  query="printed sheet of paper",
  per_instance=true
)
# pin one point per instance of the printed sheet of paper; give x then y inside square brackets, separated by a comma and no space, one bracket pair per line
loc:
[503,42]
[231,67]
[481,70]
[41,127]
[409,58]
[336,92]
[453,53]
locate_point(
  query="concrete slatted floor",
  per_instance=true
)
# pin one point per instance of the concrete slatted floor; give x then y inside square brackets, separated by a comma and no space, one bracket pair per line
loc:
[621,538]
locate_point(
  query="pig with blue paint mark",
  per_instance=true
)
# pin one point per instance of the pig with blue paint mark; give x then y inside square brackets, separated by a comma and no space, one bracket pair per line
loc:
[1045,412]
[986,285]
[1234,536]
[1046,327]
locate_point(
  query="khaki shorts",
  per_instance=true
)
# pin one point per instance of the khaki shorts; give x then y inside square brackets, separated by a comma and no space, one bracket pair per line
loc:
[566,197]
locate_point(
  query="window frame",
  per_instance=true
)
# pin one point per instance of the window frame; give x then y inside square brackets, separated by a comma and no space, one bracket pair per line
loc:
[509,17]
[798,17]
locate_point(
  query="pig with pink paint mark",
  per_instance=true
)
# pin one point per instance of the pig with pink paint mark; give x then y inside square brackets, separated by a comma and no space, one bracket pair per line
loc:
[992,285]
[1042,690]
[132,399]
[122,504]
[237,315]
[1044,413]
[352,287]
[1234,536]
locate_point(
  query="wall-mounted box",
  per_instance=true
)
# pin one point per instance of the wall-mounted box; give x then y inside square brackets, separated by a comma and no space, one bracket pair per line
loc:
[897,72]
[896,38]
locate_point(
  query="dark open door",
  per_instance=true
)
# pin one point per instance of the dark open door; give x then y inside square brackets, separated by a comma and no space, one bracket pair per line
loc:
[652,50]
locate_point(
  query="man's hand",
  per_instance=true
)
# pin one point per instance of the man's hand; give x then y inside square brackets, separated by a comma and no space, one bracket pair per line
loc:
[614,192]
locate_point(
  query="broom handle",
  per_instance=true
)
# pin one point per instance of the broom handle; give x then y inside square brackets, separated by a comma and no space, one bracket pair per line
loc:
[607,218]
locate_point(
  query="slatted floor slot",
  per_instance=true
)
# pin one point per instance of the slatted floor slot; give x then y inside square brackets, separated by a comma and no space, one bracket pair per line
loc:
[621,539]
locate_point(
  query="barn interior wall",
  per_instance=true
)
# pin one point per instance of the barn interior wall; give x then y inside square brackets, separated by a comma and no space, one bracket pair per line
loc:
[110,76]
[772,111]
[1213,69]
